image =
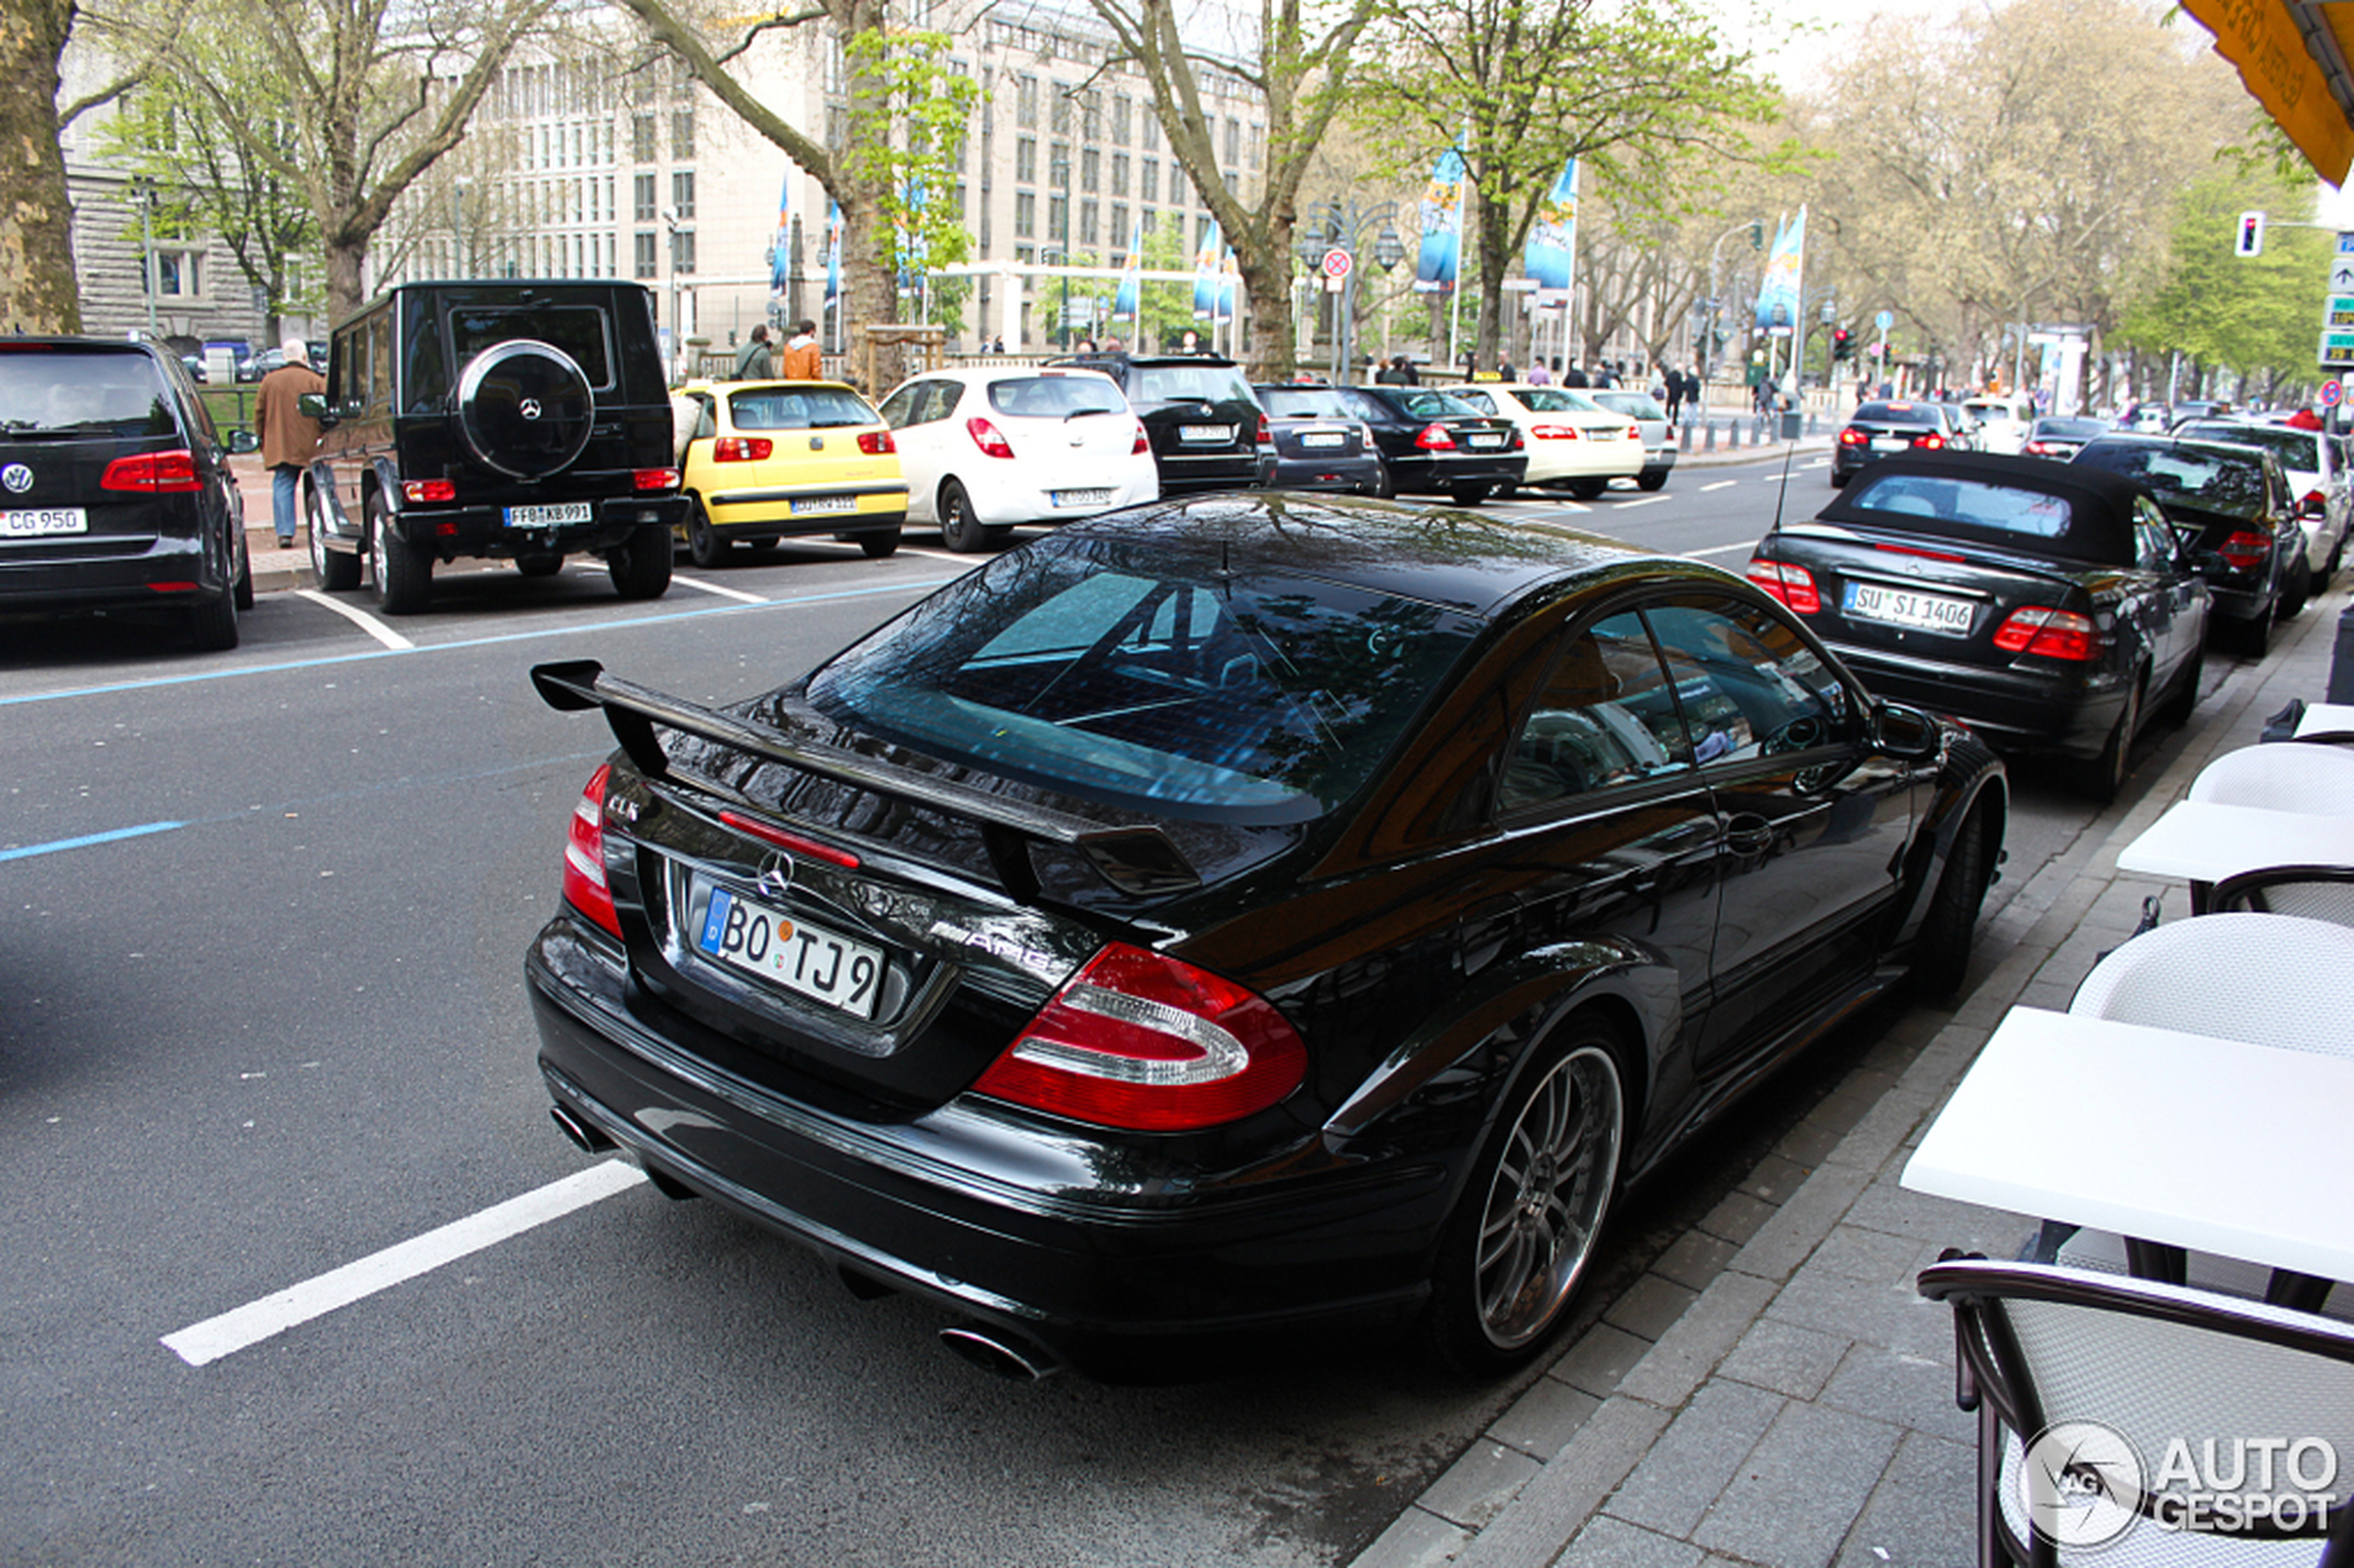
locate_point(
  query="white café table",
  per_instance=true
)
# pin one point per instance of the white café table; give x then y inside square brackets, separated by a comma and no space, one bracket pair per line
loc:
[2238,1150]
[2326,718]
[2206,841]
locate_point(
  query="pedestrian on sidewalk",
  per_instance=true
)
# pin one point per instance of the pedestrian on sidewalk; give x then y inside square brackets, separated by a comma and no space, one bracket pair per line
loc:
[802,360]
[755,360]
[289,436]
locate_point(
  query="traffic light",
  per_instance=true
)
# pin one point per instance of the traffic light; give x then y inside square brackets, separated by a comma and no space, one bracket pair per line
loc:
[2251,234]
[1757,236]
[1843,343]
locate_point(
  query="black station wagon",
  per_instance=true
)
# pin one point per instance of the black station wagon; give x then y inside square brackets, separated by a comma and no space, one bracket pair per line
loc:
[1243,914]
[513,421]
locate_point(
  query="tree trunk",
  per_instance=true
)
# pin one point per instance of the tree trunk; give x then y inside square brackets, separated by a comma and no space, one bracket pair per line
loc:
[38,289]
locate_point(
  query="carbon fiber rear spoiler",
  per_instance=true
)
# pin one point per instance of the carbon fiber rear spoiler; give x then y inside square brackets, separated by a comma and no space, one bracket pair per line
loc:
[1139,860]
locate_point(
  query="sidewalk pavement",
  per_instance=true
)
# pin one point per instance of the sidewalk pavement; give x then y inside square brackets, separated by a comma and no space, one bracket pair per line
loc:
[1773,1390]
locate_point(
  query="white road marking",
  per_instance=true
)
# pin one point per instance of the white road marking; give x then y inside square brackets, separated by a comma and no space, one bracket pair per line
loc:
[1631,505]
[737,594]
[359,618]
[202,1344]
[1720,485]
[1719,550]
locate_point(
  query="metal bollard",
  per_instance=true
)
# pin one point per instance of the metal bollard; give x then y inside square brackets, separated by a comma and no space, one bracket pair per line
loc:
[1708,439]
[1684,436]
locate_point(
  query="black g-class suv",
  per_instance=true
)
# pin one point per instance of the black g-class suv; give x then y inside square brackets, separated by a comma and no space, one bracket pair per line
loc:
[518,421]
[1207,429]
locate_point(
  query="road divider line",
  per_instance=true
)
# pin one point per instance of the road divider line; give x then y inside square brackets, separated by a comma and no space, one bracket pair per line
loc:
[1719,550]
[202,1344]
[1720,485]
[359,618]
[737,594]
[54,845]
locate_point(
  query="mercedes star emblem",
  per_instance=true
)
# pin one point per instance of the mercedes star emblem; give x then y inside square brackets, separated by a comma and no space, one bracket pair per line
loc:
[528,408]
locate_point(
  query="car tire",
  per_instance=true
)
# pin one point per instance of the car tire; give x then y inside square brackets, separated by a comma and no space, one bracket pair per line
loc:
[2104,778]
[1468,494]
[2256,632]
[524,409]
[242,593]
[641,565]
[1386,489]
[212,622]
[2179,707]
[337,570]
[704,546]
[2297,589]
[1940,949]
[879,547]
[1652,480]
[959,530]
[1839,480]
[403,572]
[1587,489]
[1515,1249]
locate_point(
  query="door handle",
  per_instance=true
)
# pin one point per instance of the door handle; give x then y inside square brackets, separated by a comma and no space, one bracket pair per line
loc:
[1748,833]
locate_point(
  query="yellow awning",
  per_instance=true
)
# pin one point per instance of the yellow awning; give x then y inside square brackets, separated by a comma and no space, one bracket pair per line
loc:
[2292,56]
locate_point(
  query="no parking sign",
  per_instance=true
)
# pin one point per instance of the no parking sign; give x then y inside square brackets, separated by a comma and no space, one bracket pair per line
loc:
[2332,393]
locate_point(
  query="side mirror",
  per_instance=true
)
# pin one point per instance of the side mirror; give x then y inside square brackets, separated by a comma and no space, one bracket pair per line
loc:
[1901,730]
[242,440]
[313,405]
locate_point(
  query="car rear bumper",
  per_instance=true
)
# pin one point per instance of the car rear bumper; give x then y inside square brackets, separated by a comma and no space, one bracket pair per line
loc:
[874,508]
[972,1210]
[2023,711]
[1183,473]
[1360,472]
[1446,471]
[101,573]
[483,531]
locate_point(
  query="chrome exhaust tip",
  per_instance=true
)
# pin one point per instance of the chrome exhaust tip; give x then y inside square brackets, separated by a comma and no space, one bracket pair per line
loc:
[580,1134]
[995,1350]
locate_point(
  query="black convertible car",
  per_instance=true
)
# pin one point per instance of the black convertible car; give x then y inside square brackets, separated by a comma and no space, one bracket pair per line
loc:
[1241,915]
[2050,606]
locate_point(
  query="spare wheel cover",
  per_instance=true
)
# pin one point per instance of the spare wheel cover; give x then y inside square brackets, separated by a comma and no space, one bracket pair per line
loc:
[524,408]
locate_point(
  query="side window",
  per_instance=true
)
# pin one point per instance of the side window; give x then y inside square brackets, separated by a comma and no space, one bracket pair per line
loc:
[1483,401]
[1749,685]
[1605,716]
[2154,548]
[707,422]
[343,369]
[379,383]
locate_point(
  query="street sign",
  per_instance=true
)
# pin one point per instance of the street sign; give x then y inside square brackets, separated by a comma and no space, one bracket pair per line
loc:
[2342,274]
[1885,319]
[1336,263]
[2332,393]
[2339,311]
[2346,244]
[2338,350]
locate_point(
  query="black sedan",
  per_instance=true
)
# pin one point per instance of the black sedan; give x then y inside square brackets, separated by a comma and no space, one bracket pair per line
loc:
[2050,607]
[2234,508]
[2060,437]
[1316,450]
[1245,915]
[1877,429]
[1432,442]
[115,486]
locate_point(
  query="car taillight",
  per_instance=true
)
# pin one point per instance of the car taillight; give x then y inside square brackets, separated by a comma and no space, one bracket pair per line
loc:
[1850,437]
[2049,634]
[1930,442]
[418,492]
[2037,448]
[585,887]
[1143,443]
[874,443]
[152,474]
[2315,502]
[1555,432]
[2244,551]
[742,449]
[1266,432]
[1794,586]
[1434,439]
[1140,1041]
[988,438]
[1634,433]
[654,478]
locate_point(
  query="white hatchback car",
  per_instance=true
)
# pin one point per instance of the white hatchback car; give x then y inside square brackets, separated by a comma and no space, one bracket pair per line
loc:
[2317,477]
[1573,441]
[984,451]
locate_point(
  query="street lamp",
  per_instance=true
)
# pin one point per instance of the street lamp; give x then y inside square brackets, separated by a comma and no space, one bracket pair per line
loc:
[678,336]
[1060,170]
[143,191]
[1343,228]
[458,224]
[1716,303]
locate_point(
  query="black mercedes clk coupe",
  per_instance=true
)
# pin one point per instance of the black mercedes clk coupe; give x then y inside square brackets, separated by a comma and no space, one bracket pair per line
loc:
[1248,913]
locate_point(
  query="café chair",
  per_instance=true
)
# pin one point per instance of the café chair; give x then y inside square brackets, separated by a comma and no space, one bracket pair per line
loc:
[2317,781]
[2041,1347]
[2312,892]
[2244,977]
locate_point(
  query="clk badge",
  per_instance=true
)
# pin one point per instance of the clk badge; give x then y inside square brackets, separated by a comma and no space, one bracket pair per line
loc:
[528,408]
[16,477]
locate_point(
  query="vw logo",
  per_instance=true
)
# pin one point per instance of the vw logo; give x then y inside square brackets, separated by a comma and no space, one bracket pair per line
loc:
[817,443]
[16,477]
[528,408]
[776,876]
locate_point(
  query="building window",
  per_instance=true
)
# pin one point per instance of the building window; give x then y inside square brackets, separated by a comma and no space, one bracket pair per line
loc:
[1119,232]
[1025,215]
[1026,160]
[1120,174]
[1152,133]
[1149,222]
[1120,107]
[179,274]
[1148,179]
[1201,232]
[1234,141]
[1058,110]
[1026,101]
[1090,170]
[682,193]
[646,262]
[1025,256]
[642,189]
[1058,220]
[1091,116]
[641,138]
[682,250]
[682,135]
[1087,233]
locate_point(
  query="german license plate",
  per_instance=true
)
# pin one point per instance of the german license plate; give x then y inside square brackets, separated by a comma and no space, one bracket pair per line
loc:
[1900,607]
[1205,432]
[553,515]
[43,521]
[1486,440]
[802,958]
[1891,443]
[1321,438]
[818,506]
[1079,498]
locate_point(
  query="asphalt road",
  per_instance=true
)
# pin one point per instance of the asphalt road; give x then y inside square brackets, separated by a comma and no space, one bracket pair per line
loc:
[262,1018]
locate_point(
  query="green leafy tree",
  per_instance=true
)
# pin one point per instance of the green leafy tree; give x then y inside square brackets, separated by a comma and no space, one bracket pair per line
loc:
[2258,316]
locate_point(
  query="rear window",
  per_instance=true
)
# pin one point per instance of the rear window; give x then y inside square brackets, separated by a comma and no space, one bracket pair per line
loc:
[2296,449]
[2209,481]
[1634,405]
[1174,384]
[1055,397]
[1430,405]
[2070,429]
[66,395]
[1974,503]
[1305,402]
[1899,413]
[1122,671]
[579,330]
[800,409]
[1558,399]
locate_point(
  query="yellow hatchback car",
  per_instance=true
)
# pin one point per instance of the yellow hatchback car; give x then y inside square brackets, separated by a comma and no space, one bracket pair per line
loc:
[764,458]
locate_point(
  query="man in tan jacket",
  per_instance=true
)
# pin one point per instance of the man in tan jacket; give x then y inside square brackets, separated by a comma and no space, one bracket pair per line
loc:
[802,361]
[289,438]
